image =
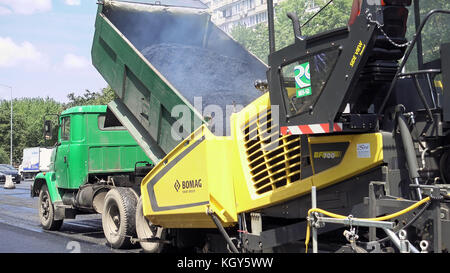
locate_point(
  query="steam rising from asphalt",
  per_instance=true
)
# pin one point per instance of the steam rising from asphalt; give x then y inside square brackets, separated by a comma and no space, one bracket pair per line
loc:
[224,84]
[266,130]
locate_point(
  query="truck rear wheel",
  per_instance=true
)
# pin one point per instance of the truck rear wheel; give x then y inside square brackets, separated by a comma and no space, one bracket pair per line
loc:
[47,211]
[118,217]
[145,229]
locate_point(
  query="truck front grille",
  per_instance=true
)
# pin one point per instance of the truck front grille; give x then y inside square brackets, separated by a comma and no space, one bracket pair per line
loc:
[274,160]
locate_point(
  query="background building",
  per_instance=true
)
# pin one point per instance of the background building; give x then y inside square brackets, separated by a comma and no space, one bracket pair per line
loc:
[229,13]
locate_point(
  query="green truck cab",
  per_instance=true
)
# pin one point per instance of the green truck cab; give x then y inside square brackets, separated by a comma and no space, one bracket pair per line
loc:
[95,163]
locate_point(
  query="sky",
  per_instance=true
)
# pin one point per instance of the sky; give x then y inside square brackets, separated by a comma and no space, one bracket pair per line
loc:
[45,48]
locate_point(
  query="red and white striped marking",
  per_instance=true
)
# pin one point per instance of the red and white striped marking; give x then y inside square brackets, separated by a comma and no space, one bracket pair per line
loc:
[311,129]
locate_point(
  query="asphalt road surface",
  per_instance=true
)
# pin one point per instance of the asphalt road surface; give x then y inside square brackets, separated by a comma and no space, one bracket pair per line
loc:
[19,240]
[20,230]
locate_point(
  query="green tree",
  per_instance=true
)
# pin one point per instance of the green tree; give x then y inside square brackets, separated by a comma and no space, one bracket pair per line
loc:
[4,157]
[91,98]
[435,32]
[256,39]
[28,120]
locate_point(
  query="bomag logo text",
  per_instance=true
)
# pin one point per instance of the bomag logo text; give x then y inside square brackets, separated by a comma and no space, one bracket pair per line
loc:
[188,185]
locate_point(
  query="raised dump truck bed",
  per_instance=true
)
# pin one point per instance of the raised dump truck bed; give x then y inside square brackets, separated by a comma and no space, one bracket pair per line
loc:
[160,56]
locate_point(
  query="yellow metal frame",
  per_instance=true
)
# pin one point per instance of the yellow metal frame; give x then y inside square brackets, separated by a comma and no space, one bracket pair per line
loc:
[191,179]
[218,173]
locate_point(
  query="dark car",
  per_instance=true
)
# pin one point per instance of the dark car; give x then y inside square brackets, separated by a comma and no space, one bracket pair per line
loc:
[6,169]
[2,178]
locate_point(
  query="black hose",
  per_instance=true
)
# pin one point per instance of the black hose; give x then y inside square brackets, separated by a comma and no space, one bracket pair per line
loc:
[408,146]
[224,233]
[442,166]
[410,152]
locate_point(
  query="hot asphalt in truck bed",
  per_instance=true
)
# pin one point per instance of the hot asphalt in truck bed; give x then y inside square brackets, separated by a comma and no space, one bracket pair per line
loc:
[199,72]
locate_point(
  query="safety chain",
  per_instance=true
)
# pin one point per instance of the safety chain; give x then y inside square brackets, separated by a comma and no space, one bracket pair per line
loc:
[380,27]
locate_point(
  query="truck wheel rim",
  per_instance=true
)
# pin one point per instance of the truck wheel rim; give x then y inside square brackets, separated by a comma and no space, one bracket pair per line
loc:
[45,206]
[114,220]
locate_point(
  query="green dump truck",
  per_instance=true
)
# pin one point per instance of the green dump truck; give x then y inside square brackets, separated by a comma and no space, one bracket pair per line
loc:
[96,167]
[158,58]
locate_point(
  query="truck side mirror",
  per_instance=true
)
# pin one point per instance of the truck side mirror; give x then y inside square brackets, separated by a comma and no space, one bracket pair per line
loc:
[47,130]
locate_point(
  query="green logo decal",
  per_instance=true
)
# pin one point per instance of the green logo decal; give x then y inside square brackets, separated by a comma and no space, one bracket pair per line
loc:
[303,80]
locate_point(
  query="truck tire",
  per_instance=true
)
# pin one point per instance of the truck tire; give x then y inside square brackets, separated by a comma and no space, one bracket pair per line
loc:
[118,217]
[145,229]
[47,211]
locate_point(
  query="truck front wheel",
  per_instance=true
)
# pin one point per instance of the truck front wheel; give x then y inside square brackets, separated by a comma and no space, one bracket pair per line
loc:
[118,217]
[47,211]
